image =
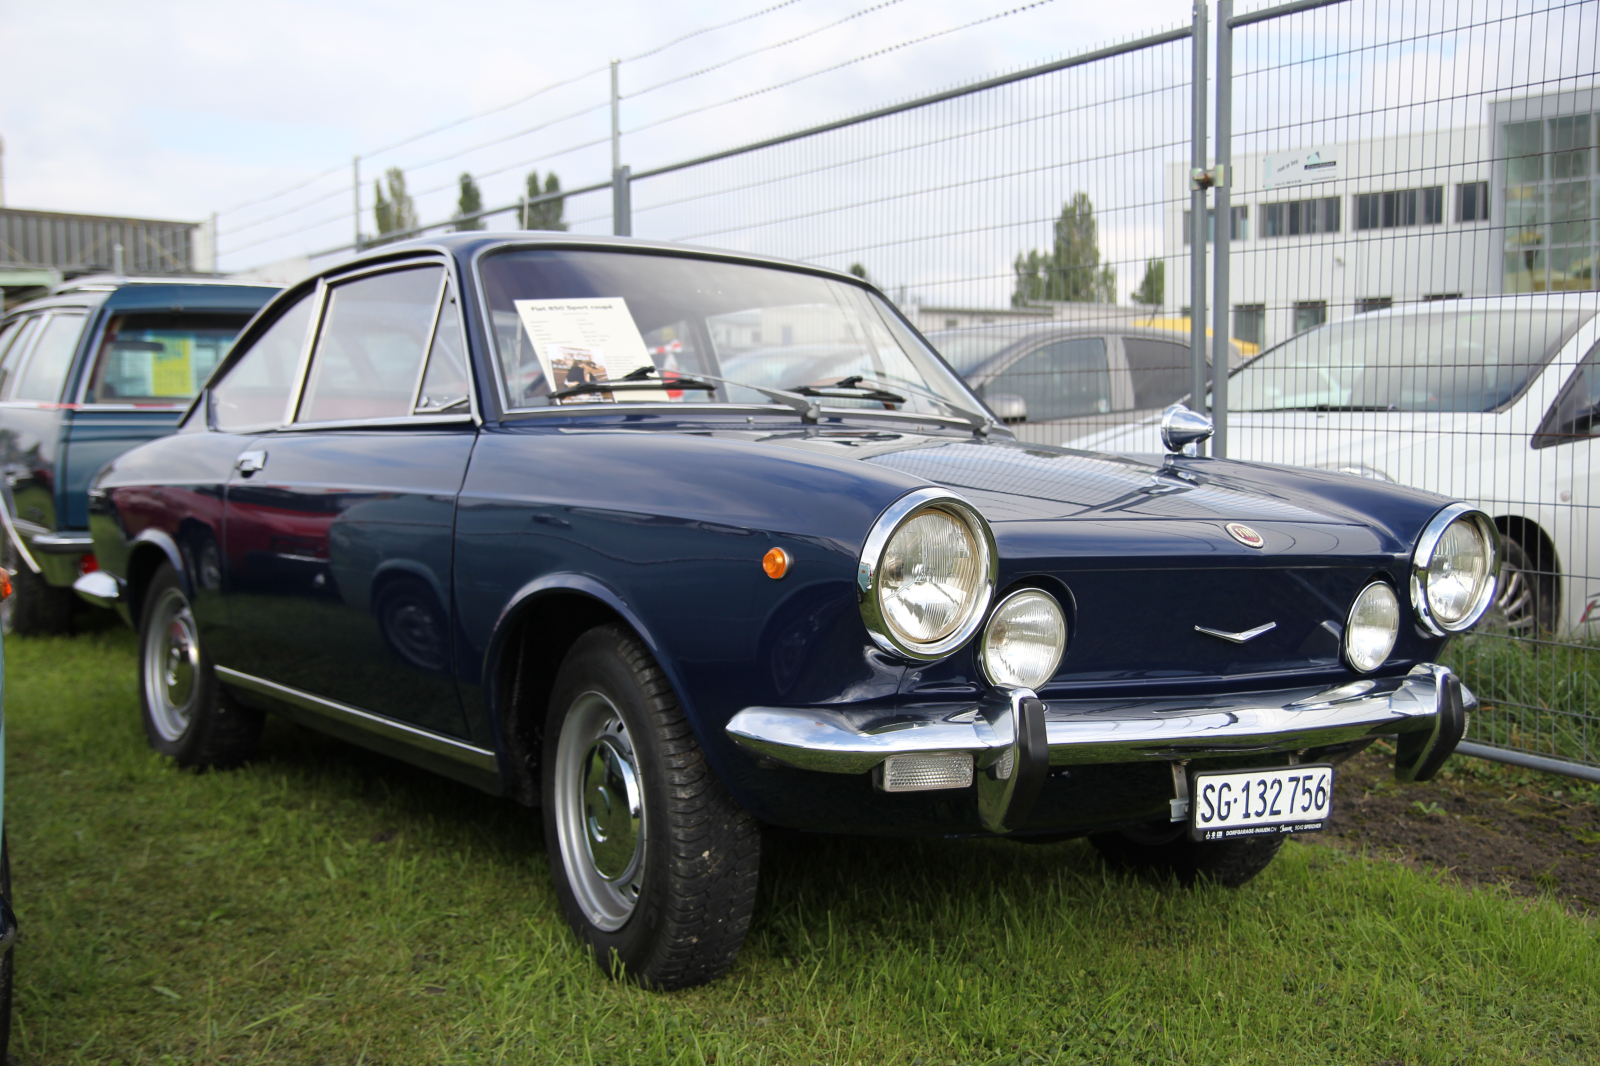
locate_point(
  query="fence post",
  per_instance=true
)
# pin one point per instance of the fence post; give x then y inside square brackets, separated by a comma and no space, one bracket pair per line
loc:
[1221,335]
[1197,219]
[621,182]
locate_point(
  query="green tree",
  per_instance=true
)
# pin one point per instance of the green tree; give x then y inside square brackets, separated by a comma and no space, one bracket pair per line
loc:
[394,213]
[861,272]
[548,214]
[1152,291]
[470,202]
[1071,270]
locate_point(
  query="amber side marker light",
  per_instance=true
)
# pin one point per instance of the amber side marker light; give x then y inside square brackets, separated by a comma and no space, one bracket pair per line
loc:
[5,583]
[775,563]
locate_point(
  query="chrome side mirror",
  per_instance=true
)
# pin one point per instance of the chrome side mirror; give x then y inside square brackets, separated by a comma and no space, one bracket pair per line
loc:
[1181,427]
[1008,407]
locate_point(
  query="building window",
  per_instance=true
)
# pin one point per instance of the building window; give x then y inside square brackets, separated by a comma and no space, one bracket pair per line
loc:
[1552,198]
[1404,207]
[1309,314]
[1472,202]
[1298,217]
[1239,231]
[1250,323]
[1374,303]
[951,323]
[1441,296]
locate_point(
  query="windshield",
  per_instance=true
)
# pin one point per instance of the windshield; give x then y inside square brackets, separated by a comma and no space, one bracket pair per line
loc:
[162,357]
[576,317]
[1457,361]
[964,349]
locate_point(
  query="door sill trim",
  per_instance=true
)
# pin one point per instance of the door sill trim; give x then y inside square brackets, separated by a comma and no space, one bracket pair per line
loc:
[386,728]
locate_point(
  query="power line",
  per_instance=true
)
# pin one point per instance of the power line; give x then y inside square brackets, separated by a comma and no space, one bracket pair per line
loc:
[837,66]
[710,29]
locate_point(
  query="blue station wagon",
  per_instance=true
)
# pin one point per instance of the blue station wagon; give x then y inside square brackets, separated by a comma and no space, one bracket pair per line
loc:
[101,364]
[673,543]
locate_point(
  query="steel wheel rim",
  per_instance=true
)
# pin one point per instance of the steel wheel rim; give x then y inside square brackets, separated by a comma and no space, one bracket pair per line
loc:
[1514,600]
[171,665]
[599,812]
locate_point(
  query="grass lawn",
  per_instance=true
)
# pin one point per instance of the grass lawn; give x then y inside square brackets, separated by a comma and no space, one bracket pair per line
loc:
[329,906]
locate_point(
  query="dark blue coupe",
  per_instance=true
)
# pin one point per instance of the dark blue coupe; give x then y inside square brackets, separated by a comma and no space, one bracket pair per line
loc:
[672,543]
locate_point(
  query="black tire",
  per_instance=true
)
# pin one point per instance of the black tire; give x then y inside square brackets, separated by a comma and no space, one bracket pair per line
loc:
[1164,848]
[662,892]
[187,714]
[1525,603]
[8,961]
[35,607]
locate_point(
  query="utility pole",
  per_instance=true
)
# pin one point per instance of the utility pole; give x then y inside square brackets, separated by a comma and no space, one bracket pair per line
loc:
[355,193]
[1198,180]
[621,181]
[1222,346]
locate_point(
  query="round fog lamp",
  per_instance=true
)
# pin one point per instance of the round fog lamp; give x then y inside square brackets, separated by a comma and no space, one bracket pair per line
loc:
[1024,640]
[1370,632]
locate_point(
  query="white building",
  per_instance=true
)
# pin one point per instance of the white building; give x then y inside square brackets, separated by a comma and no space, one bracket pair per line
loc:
[1332,230]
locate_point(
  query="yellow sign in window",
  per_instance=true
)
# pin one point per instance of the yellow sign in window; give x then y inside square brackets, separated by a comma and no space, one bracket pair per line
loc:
[172,372]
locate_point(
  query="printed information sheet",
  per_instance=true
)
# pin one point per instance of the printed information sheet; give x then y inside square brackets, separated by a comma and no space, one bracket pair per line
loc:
[580,341]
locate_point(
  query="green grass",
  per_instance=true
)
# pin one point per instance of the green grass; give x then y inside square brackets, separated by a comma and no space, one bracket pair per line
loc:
[1539,698]
[324,905]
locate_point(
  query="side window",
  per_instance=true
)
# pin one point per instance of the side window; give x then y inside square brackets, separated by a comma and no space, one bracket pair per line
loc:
[1576,413]
[1160,371]
[1061,380]
[369,353]
[444,383]
[14,345]
[45,372]
[256,390]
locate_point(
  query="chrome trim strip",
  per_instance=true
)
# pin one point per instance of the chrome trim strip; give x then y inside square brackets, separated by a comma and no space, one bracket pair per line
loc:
[1423,554]
[1111,731]
[386,728]
[387,422]
[1239,637]
[63,543]
[884,529]
[308,349]
[99,588]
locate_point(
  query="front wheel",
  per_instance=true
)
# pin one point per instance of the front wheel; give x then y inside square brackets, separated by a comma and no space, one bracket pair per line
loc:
[187,715]
[1525,601]
[1167,849]
[655,865]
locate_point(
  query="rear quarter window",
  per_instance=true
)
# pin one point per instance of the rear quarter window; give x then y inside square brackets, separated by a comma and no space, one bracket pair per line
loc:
[161,357]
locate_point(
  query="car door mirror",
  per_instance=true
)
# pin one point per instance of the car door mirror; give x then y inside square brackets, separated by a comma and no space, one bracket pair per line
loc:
[1008,407]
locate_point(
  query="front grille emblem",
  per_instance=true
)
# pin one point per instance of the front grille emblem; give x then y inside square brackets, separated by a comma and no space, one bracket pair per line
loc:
[1237,638]
[1245,535]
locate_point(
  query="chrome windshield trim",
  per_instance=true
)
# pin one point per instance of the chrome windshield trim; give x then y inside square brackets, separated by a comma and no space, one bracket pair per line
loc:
[375,725]
[452,418]
[1116,731]
[659,407]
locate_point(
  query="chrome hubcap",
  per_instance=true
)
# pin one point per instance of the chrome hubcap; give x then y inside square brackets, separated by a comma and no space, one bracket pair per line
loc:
[599,801]
[171,665]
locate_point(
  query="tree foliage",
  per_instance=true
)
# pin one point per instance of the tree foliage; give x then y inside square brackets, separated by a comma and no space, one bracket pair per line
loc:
[1071,270]
[394,213]
[547,214]
[861,272]
[470,202]
[1152,291]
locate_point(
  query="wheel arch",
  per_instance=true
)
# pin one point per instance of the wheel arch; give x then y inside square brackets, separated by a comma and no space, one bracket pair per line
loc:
[1539,546]
[531,639]
[145,555]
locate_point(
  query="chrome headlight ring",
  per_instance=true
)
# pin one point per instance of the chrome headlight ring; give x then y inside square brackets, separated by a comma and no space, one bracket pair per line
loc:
[868,573]
[1422,556]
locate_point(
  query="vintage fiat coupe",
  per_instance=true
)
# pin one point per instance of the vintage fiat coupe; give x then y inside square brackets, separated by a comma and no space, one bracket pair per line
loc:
[674,543]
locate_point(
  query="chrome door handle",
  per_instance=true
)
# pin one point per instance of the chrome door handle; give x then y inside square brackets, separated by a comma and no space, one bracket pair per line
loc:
[250,462]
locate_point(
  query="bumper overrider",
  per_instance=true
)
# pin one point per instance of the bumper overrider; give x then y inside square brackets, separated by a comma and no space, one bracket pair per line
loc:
[1007,743]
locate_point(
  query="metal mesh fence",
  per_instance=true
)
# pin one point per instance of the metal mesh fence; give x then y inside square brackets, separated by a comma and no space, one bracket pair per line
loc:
[1410,230]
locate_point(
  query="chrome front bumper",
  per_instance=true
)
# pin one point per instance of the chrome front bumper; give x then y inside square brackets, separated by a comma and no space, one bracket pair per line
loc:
[1426,709]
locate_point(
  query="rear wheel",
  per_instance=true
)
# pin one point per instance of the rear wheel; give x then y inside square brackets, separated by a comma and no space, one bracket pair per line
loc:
[655,865]
[35,607]
[1163,847]
[187,715]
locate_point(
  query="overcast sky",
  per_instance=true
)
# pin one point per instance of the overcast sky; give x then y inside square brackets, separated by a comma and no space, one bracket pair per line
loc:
[179,108]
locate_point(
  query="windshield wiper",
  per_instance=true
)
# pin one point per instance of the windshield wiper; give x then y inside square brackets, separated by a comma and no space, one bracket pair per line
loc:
[981,423]
[632,381]
[1325,407]
[848,389]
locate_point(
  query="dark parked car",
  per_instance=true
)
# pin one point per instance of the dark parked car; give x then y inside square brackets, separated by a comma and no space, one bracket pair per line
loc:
[100,365]
[673,543]
[1058,381]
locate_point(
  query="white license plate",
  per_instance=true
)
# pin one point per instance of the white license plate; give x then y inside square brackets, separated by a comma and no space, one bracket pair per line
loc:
[1243,803]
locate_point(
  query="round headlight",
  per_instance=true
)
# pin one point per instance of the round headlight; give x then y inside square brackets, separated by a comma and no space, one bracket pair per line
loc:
[1024,640]
[926,574]
[1454,569]
[1371,629]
